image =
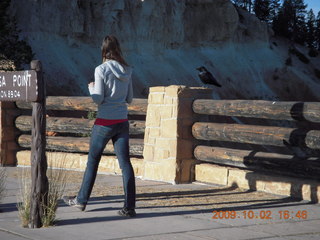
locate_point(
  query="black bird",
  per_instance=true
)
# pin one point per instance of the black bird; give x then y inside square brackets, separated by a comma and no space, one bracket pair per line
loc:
[206,77]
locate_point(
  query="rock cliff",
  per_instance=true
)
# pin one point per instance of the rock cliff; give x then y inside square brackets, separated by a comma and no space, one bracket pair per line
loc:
[165,41]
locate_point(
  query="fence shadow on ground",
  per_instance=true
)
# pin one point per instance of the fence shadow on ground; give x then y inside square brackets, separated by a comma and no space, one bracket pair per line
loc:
[303,165]
[170,203]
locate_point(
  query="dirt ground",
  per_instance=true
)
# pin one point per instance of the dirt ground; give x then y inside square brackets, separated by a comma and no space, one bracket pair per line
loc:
[150,194]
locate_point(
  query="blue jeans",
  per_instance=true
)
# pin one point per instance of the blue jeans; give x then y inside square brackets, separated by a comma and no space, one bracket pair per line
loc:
[119,133]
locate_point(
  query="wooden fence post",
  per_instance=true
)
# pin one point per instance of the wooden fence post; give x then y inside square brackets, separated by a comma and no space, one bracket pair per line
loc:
[39,184]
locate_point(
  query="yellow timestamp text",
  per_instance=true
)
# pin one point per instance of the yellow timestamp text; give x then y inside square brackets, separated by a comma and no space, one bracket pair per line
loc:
[261,214]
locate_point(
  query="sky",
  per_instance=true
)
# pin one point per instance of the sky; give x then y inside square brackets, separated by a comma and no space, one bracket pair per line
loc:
[314,4]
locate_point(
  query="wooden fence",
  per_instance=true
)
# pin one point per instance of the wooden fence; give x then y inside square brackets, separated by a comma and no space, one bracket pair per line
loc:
[266,136]
[69,125]
[242,138]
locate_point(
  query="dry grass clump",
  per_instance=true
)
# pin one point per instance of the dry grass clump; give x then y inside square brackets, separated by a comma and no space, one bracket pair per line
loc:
[24,197]
[3,177]
[57,178]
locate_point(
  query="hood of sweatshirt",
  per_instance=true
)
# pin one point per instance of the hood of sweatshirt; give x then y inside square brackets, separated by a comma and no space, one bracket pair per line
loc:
[123,73]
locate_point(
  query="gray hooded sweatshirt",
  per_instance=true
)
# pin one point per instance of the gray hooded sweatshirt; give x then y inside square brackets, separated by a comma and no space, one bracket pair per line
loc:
[112,90]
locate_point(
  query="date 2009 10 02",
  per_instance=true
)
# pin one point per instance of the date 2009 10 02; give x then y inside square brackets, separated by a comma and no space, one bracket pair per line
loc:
[262,214]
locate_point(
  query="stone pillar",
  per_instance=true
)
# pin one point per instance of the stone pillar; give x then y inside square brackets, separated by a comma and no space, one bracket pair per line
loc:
[168,142]
[8,145]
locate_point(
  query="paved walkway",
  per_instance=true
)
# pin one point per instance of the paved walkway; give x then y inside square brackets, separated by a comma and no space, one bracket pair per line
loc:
[166,211]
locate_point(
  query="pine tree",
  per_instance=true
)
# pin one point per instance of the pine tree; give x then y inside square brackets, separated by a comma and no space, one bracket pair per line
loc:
[11,47]
[299,23]
[311,29]
[317,32]
[282,22]
[290,22]
[262,9]
[4,5]
[246,4]
[274,9]
[236,2]
[249,5]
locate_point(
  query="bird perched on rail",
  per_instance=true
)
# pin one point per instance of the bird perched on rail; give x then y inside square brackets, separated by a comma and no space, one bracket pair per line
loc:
[206,77]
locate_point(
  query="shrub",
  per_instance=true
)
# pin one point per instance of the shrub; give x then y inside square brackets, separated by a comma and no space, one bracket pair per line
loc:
[317,72]
[289,61]
[92,115]
[275,77]
[313,52]
[300,55]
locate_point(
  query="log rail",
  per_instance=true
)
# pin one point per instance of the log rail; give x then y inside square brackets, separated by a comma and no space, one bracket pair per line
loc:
[291,111]
[70,134]
[79,145]
[262,135]
[137,107]
[301,145]
[73,125]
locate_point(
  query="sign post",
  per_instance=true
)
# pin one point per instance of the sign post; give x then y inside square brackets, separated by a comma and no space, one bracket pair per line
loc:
[39,182]
[29,86]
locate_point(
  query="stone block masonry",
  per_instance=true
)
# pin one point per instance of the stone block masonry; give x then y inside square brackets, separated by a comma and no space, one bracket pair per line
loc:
[168,143]
[78,162]
[281,185]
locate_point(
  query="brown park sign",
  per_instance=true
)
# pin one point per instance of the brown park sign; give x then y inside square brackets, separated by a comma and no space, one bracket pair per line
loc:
[29,86]
[19,86]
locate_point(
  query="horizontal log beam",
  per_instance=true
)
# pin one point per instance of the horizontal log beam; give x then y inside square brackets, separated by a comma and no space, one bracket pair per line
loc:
[73,125]
[262,135]
[263,161]
[299,111]
[80,145]
[137,107]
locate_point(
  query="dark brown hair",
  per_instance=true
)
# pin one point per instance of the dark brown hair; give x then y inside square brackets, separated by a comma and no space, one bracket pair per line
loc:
[111,50]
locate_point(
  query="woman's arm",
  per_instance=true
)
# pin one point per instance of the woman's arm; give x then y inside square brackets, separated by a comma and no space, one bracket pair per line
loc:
[96,89]
[130,92]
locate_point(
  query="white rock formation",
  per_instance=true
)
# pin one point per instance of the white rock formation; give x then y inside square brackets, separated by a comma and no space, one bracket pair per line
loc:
[164,41]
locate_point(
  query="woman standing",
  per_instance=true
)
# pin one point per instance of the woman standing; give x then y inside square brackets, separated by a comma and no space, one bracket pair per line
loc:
[111,90]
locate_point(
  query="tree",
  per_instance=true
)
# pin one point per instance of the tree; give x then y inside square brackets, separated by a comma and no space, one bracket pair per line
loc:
[299,23]
[290,22]
[11,47]
[262,9]
[311,30]
[281,24]
[317,32]
[246,4]
[274,9]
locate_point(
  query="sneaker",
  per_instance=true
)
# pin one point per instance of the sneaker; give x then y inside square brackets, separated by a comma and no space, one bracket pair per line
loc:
[127,212]
[72,201]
